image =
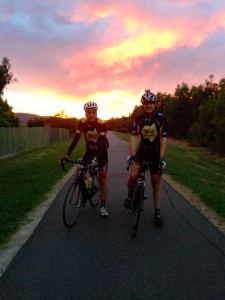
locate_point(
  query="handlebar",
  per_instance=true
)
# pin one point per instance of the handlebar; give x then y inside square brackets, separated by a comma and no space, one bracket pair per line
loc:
[87,164]
[144,164]
[129,164]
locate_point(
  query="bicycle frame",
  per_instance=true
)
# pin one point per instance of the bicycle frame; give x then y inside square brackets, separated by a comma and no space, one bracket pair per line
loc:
[80,177]
[137,203]
[80,190]
[139,186]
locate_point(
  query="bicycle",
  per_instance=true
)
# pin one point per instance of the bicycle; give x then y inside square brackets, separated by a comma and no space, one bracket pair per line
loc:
[137,201]
[85,186]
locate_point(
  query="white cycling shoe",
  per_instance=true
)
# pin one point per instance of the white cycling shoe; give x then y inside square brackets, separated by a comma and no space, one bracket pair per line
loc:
[103,212]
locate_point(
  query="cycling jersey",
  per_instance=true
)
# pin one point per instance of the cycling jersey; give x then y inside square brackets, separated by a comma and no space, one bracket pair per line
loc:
[96,141]
[150,129]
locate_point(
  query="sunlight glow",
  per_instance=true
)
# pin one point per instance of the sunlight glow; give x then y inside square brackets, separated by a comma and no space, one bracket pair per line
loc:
[145,44]
[111,104]
[44,104]
[115,103]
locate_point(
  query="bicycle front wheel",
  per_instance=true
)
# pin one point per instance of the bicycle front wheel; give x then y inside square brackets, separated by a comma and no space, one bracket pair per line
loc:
[136,220]
[72,205]
[95,192]
[138,209]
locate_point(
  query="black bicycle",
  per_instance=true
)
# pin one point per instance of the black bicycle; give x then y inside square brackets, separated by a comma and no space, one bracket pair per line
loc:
[85,186]
[137,202]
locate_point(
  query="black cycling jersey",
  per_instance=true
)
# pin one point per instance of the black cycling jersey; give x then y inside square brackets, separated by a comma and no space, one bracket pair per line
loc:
[95,136]
[150,129]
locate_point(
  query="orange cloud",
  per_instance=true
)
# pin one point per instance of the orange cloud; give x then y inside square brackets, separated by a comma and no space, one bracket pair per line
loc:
[87,49]
[88,12]
[145,44]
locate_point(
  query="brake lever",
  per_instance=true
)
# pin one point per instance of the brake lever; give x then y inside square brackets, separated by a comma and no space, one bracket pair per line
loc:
[63,167]
[130,163]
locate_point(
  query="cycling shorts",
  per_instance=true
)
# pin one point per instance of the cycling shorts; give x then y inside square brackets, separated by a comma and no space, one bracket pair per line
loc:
[153,168]
[102,160]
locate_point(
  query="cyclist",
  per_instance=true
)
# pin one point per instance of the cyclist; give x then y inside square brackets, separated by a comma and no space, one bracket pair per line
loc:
[94,130]
[151,126]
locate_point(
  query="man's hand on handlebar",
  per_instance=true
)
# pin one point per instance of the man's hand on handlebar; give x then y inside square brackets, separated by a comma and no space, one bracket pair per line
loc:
[62,161]
[131,159]
[94,162]
[162,164]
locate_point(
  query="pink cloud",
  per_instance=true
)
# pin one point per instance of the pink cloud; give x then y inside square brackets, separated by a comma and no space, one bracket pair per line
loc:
[78,48]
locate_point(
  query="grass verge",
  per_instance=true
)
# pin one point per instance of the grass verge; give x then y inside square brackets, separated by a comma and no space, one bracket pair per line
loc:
[198,170]
[26,179]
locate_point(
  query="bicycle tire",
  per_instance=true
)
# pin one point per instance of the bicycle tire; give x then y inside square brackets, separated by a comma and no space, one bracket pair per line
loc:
[134,201]
[72,205]
[94,199]
[138,209]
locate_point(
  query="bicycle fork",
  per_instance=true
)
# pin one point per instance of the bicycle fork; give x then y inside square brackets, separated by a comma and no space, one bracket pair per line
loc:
[81,196]
[141,190]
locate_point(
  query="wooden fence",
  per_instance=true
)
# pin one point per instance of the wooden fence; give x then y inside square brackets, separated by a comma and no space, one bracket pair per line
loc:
[18,139]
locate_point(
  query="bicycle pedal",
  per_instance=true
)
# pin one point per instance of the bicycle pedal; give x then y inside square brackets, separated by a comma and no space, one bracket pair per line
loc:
[84,201]
[80,204]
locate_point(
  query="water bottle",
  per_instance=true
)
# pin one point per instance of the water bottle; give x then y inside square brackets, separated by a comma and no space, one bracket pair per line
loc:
[88,182]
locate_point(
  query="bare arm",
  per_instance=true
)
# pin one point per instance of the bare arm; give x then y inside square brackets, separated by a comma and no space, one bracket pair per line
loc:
[72,145]
[163,145]
[134,144]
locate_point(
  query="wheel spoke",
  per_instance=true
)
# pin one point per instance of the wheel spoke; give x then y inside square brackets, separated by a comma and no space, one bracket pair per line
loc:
[72,205]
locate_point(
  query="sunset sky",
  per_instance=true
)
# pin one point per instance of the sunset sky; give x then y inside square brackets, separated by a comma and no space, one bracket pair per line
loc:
[65,53]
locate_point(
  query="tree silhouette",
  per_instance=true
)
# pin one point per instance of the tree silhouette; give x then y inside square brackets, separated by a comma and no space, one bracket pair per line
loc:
[7,117]
[6,77]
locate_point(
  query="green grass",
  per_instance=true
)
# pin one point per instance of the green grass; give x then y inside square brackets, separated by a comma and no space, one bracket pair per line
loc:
[25,181]
[198,170]
[27,178]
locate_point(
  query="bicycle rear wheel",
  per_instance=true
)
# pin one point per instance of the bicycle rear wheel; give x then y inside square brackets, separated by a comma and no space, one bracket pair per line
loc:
[95,192]
[72,205]
[137,211]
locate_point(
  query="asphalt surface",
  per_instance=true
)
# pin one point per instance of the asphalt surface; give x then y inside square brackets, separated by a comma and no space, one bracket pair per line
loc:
[98,259]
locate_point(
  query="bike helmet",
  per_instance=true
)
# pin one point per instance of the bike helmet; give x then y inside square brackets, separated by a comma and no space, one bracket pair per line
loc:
[148,97]
[90,105]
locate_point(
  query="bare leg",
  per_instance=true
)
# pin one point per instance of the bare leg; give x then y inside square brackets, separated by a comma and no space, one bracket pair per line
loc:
[103,192]
[155,181]
[103,184]
[134,173]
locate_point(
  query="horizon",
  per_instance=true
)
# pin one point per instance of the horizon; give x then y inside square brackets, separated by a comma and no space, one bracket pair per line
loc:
[67,117]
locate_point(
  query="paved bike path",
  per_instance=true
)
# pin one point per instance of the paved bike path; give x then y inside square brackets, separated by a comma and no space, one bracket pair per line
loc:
[98,259]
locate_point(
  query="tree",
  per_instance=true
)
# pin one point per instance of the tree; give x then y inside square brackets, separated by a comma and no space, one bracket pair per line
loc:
[7,117]
[61,114]
[178,110]
[67,123]
[182,92]
[36,122]
[202,132]
[6,77]
[218,122]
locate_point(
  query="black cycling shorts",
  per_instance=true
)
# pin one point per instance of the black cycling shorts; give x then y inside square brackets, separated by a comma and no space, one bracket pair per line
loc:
[153,168]
[102,160]
[145,155]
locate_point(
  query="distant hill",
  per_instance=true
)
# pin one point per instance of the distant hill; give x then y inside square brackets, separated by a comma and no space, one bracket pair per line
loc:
[24,117]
